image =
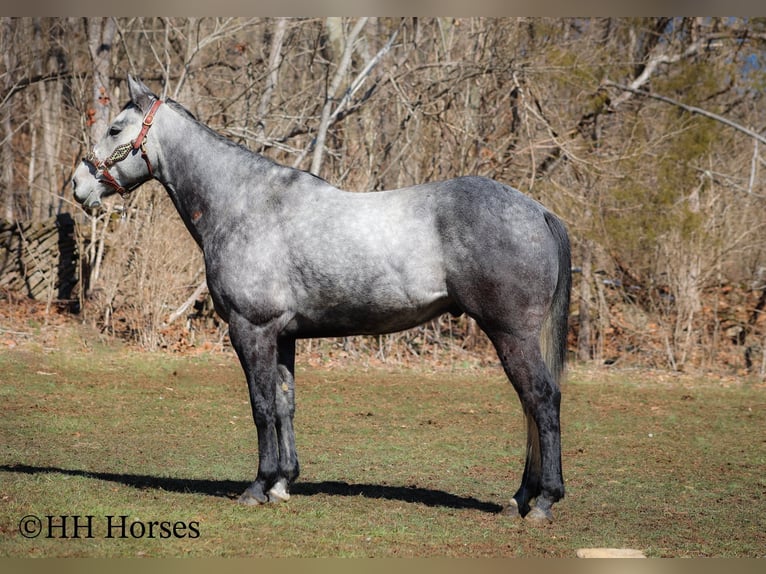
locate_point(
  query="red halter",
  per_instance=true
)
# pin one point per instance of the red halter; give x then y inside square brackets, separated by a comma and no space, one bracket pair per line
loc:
[122,151]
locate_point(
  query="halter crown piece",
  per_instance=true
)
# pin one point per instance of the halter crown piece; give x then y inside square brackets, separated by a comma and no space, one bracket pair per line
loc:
[123,151]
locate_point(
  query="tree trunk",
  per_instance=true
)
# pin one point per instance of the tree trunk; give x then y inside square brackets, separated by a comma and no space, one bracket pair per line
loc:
[7,191]
[331,95]
[275,61]
[584,350]
[101,33]
[49,102]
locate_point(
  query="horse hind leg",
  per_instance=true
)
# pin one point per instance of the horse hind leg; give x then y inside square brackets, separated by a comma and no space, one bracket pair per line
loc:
[542,481]
[530,481]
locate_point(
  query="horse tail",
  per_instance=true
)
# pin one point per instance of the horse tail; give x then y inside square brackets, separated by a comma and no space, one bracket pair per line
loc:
[553,339]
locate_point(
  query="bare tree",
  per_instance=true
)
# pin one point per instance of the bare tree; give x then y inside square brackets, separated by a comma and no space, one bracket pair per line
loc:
[101,34]
[645,134]
[7,28]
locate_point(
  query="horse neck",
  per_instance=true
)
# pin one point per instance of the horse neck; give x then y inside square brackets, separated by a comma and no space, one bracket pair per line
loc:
[205,175]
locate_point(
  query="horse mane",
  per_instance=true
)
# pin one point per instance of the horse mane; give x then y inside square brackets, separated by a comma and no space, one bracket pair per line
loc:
[174,105]
[180,109]
[256,156]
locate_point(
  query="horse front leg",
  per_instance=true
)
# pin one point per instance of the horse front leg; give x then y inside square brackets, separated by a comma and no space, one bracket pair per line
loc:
[256,347]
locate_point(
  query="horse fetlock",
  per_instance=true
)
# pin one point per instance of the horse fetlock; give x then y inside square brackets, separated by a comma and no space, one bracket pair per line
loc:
[290,473]
[552,491]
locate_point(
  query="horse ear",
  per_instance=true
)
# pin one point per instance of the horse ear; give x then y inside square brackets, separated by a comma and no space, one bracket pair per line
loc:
[140,95]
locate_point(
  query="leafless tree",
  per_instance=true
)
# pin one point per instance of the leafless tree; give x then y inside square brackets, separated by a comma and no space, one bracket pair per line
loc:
[645,134]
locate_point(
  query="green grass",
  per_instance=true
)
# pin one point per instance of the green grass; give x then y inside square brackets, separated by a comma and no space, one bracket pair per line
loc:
[394,463]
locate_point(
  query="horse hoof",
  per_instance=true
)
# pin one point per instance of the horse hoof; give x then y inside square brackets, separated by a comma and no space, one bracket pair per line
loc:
[249,498]
[512,509]
[539,517]
[278,492]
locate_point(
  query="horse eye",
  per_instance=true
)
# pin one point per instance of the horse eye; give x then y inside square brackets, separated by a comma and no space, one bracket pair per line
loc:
[113,131]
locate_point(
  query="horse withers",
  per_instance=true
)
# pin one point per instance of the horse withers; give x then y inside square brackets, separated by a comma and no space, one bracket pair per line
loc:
[289,256]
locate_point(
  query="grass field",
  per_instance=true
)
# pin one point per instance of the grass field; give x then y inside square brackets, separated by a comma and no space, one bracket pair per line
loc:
[394,462]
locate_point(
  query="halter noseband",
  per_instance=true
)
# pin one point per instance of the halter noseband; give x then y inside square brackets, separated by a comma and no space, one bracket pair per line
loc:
[123,151]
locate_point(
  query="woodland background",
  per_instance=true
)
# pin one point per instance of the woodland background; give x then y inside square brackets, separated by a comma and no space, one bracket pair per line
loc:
[646,135]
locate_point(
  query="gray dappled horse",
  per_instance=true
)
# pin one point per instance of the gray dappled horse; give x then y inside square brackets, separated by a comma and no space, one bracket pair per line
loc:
[289,256]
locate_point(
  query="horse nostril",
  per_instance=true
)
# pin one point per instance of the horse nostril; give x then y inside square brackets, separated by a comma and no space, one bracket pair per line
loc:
[74,185]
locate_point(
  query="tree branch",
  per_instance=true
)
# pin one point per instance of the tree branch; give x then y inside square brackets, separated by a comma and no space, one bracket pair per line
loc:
[324,124]
[690,109]
[652,65]
[201,288]
[275,61]
[27,82]
[649,69]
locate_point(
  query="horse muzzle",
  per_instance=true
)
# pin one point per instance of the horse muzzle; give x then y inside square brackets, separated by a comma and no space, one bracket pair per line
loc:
[85,189]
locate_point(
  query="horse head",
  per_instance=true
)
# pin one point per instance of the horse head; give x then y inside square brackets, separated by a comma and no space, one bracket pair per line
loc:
[122,160]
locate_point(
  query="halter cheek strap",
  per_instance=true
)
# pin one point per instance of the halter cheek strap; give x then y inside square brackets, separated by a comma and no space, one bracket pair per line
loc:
[123,151]
[147,123]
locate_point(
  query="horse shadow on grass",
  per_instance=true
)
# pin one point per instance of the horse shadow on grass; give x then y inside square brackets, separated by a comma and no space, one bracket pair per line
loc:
[232,488]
